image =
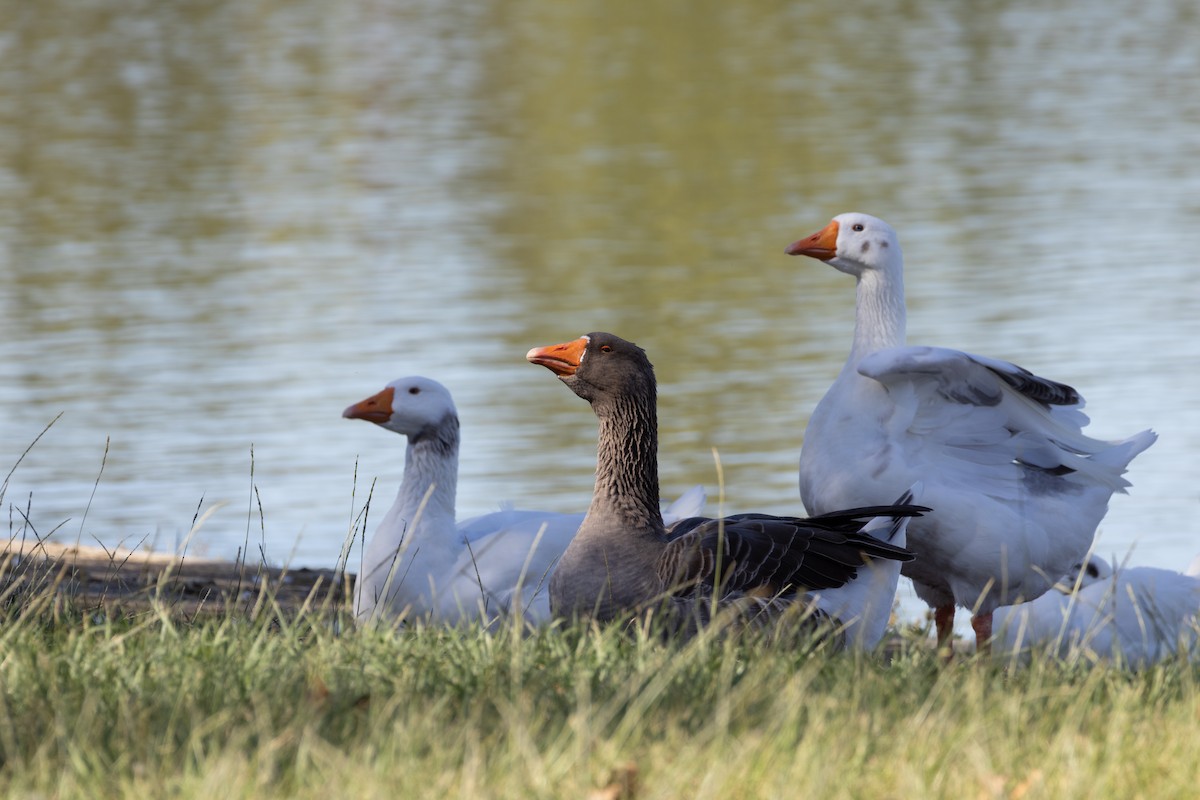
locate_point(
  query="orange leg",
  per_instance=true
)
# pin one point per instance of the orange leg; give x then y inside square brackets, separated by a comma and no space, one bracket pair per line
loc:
[983,632]
[943,619]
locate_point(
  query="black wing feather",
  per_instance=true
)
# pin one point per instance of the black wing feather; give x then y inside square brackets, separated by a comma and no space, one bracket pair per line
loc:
[760,552]
[1039,389]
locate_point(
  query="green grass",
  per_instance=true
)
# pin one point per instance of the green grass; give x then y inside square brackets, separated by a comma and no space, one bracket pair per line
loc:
[271,706]
[277,698]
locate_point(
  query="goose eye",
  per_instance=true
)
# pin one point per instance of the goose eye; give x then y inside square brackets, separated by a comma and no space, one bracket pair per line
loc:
[858,226]
[413,390]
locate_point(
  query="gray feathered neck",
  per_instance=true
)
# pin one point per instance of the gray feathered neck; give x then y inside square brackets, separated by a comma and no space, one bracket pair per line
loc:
[626,492]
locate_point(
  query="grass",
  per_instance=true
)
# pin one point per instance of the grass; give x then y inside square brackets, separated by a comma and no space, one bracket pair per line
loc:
[264,695]
[267,705]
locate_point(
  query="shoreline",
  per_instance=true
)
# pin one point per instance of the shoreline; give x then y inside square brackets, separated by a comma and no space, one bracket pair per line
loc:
[132,581]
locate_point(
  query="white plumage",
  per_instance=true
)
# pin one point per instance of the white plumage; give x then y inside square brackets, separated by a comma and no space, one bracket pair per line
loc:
[863,606]
[1137,615]
[1016,488]
[420,563]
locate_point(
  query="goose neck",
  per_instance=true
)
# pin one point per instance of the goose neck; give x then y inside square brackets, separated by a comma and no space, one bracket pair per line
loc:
[430,480]
[880,319]
[626,492]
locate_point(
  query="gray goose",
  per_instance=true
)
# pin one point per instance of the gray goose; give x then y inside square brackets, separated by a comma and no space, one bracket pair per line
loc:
[624,561]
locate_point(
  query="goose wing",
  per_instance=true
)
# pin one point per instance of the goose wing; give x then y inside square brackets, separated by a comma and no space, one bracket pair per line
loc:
[987,424]
[766,555]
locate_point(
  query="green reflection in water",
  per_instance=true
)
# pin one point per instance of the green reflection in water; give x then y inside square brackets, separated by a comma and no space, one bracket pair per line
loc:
[262,194]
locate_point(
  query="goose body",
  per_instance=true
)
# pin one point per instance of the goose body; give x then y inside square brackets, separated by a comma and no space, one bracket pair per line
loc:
[624,560]
[420,562]
[1017,489]
[1137,615]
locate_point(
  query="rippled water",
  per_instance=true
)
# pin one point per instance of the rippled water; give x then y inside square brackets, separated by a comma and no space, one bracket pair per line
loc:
[220,225]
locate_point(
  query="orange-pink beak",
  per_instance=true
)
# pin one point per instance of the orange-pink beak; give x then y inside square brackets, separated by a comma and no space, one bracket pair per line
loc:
[377,408]
[561,359]
[821,245]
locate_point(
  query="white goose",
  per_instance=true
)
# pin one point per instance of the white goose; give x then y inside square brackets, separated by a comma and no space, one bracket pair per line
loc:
[420,563]
[1139,615]
[1016,488]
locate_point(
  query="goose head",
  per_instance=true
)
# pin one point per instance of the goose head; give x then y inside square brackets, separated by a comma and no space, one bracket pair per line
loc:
[853,243]
[1096,569]
[412,406]
[598,365]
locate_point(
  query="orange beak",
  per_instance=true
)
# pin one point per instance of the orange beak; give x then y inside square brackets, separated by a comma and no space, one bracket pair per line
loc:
[561,359]
[377,408]
[821,245]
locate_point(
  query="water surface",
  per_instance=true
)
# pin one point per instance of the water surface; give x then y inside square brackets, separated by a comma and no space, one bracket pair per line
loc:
[222,223]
